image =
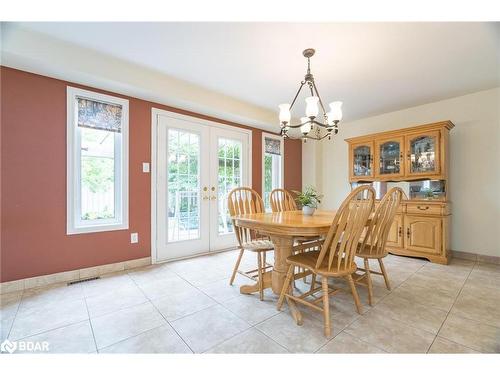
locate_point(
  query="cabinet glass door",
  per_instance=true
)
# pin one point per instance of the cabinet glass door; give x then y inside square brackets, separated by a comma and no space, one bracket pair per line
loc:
[389,156]
[423,153]
[361,161]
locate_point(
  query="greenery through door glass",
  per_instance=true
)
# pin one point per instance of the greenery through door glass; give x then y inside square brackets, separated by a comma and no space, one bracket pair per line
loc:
[229,177]
[183,185]
[97,173]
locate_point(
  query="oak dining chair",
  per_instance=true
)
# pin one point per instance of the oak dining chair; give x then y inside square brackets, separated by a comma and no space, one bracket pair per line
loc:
[373,244]
[282,200]
[335,259]
[241,201]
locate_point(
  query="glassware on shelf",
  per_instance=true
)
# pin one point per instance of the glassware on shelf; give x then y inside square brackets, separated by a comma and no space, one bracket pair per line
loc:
[362,161]
[423,154]
[390,157]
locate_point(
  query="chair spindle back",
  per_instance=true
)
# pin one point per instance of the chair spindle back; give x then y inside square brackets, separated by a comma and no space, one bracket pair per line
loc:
[242,201]
[381,222]
[282,200]
[347,227]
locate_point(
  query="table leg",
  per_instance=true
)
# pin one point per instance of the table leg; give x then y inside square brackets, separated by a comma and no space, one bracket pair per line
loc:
[282,249]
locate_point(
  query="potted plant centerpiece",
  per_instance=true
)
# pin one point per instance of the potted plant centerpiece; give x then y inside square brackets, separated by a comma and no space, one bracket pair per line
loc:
[308,199]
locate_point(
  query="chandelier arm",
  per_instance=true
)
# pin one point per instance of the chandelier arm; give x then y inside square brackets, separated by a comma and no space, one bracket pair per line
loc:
[310,121]
[308,137]
[320,101]
[297,94]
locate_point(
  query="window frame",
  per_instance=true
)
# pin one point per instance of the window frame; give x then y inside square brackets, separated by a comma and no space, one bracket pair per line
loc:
[282,161]
[74,224]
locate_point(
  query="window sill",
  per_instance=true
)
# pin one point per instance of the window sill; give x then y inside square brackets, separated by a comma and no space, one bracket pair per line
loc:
[96,228]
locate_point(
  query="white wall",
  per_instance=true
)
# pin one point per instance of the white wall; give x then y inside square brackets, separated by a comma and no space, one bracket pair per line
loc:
[474,185]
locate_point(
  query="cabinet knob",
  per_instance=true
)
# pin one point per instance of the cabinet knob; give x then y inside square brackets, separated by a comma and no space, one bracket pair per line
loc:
[408,232]
[400,231]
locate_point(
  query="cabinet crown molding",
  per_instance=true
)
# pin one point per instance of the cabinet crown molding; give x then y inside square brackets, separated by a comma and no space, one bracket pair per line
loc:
[418,128]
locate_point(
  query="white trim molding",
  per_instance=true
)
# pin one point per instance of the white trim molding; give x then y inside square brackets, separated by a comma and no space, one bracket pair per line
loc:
[73,224]
[282,157]
[155,112]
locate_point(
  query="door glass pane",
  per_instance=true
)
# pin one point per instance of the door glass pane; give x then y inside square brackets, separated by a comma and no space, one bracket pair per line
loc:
[183,185]
[97,174]
[361,158]
[422,154]
[389,157]
[229,177]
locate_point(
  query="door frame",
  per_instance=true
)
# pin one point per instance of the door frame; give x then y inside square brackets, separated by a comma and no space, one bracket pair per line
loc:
[155,112]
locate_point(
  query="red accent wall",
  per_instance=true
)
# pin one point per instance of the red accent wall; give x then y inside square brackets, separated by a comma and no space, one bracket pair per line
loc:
[33,180]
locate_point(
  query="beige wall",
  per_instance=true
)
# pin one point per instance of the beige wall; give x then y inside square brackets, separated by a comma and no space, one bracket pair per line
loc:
[474,164]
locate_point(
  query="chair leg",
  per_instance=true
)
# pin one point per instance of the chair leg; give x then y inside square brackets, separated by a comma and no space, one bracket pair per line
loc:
[355,294]
[236,266]
[261,278]
[286,286]
[384,273]
[313,282]
[326,306]
[369,281]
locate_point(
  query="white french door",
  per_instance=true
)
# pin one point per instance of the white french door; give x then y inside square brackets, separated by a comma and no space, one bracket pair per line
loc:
[196,164]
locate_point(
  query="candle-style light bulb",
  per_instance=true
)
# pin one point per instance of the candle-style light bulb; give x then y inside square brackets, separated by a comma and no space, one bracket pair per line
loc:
[312,108]
[335,114]
[285,114]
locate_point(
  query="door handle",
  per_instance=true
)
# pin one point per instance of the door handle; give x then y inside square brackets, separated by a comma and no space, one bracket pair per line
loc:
[205,189]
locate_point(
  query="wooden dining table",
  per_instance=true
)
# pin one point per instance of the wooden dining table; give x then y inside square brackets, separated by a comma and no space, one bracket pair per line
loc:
[283,228]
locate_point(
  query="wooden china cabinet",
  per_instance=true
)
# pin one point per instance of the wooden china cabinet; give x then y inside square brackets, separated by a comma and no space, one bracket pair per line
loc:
[415,159]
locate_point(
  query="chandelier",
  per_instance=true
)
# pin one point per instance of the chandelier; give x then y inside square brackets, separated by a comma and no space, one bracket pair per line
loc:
[311,127]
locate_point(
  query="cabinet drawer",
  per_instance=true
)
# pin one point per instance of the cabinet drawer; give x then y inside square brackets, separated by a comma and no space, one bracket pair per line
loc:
[424,209]
[400,209]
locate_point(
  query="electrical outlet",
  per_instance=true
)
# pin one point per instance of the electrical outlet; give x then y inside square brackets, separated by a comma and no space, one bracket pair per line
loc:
[134,237]
[145,167]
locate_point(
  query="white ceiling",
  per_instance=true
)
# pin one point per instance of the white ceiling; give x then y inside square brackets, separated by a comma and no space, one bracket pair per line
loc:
[372,67]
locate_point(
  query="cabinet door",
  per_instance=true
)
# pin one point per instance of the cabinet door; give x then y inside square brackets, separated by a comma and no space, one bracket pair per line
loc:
[389,160]
[360,161]
[423,154]
[423,234]
[395,237]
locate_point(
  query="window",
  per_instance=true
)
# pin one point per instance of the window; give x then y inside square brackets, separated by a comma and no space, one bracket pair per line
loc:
[97,162]
[272,166]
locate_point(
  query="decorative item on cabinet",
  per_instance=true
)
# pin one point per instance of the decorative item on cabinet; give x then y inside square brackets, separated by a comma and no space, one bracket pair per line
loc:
[415,159]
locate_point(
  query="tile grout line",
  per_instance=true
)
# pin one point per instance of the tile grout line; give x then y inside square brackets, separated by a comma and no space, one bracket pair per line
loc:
[451,308]
[90,322]
[15,315]
[370,308]
[159,312]
[220,304]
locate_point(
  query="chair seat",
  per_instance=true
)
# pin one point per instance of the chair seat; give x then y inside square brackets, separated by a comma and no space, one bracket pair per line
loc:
[258,245]
[308,260]
[364,252]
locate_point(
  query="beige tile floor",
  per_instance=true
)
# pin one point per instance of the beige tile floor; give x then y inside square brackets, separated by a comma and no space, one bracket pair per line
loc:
[188,306]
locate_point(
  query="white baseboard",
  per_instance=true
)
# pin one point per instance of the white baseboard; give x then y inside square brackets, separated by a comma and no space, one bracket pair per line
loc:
[79,274]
